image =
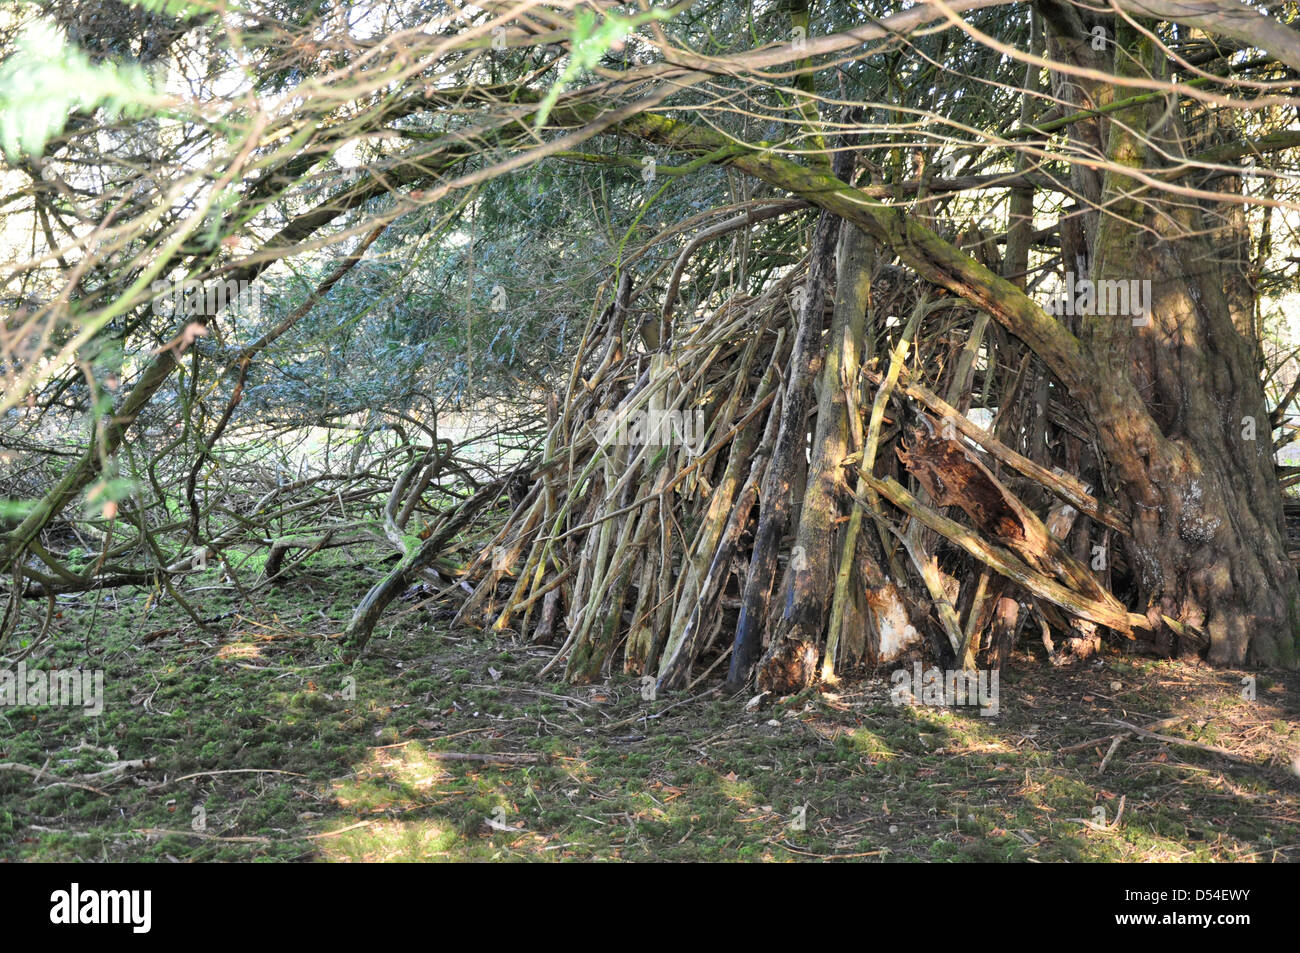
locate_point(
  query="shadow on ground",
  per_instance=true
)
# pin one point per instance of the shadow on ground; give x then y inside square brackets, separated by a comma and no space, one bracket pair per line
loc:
[261,741]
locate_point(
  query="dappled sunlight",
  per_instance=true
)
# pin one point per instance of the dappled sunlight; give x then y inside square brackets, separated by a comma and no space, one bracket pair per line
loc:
[241,651]
[393,841]
[395,777]
[433,761]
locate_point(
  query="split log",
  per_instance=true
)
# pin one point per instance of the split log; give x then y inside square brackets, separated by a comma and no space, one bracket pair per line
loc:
[1108,611]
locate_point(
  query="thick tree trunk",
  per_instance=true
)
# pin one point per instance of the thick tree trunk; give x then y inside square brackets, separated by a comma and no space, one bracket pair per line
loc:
[1193,466]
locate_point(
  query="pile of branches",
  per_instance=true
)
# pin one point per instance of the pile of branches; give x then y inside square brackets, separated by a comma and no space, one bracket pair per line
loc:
[254,508]
[777,482]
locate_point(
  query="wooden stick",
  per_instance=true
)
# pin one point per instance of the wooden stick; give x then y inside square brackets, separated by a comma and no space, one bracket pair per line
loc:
[1063,485]
[1187,743]
[1110,613]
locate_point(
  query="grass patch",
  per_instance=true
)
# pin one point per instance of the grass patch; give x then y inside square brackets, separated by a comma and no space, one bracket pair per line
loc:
[261,741]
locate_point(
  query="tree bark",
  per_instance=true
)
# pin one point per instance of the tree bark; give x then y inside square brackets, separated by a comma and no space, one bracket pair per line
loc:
[811,574]
[1193,464]
[778,481]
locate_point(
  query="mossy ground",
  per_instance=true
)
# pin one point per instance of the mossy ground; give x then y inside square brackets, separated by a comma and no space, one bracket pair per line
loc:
[263,742]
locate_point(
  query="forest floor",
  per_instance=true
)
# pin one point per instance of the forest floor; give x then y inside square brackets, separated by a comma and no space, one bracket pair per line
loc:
[257,740]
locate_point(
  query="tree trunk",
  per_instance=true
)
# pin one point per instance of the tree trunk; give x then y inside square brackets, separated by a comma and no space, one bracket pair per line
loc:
[787,455]
[809,582]
[1193,465]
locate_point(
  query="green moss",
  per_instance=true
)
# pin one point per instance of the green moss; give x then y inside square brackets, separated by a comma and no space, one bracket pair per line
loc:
[703,780]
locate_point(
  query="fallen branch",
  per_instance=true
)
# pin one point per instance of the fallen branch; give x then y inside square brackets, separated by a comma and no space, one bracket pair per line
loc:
[1186,743]
[1062,485]
[1109,613]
